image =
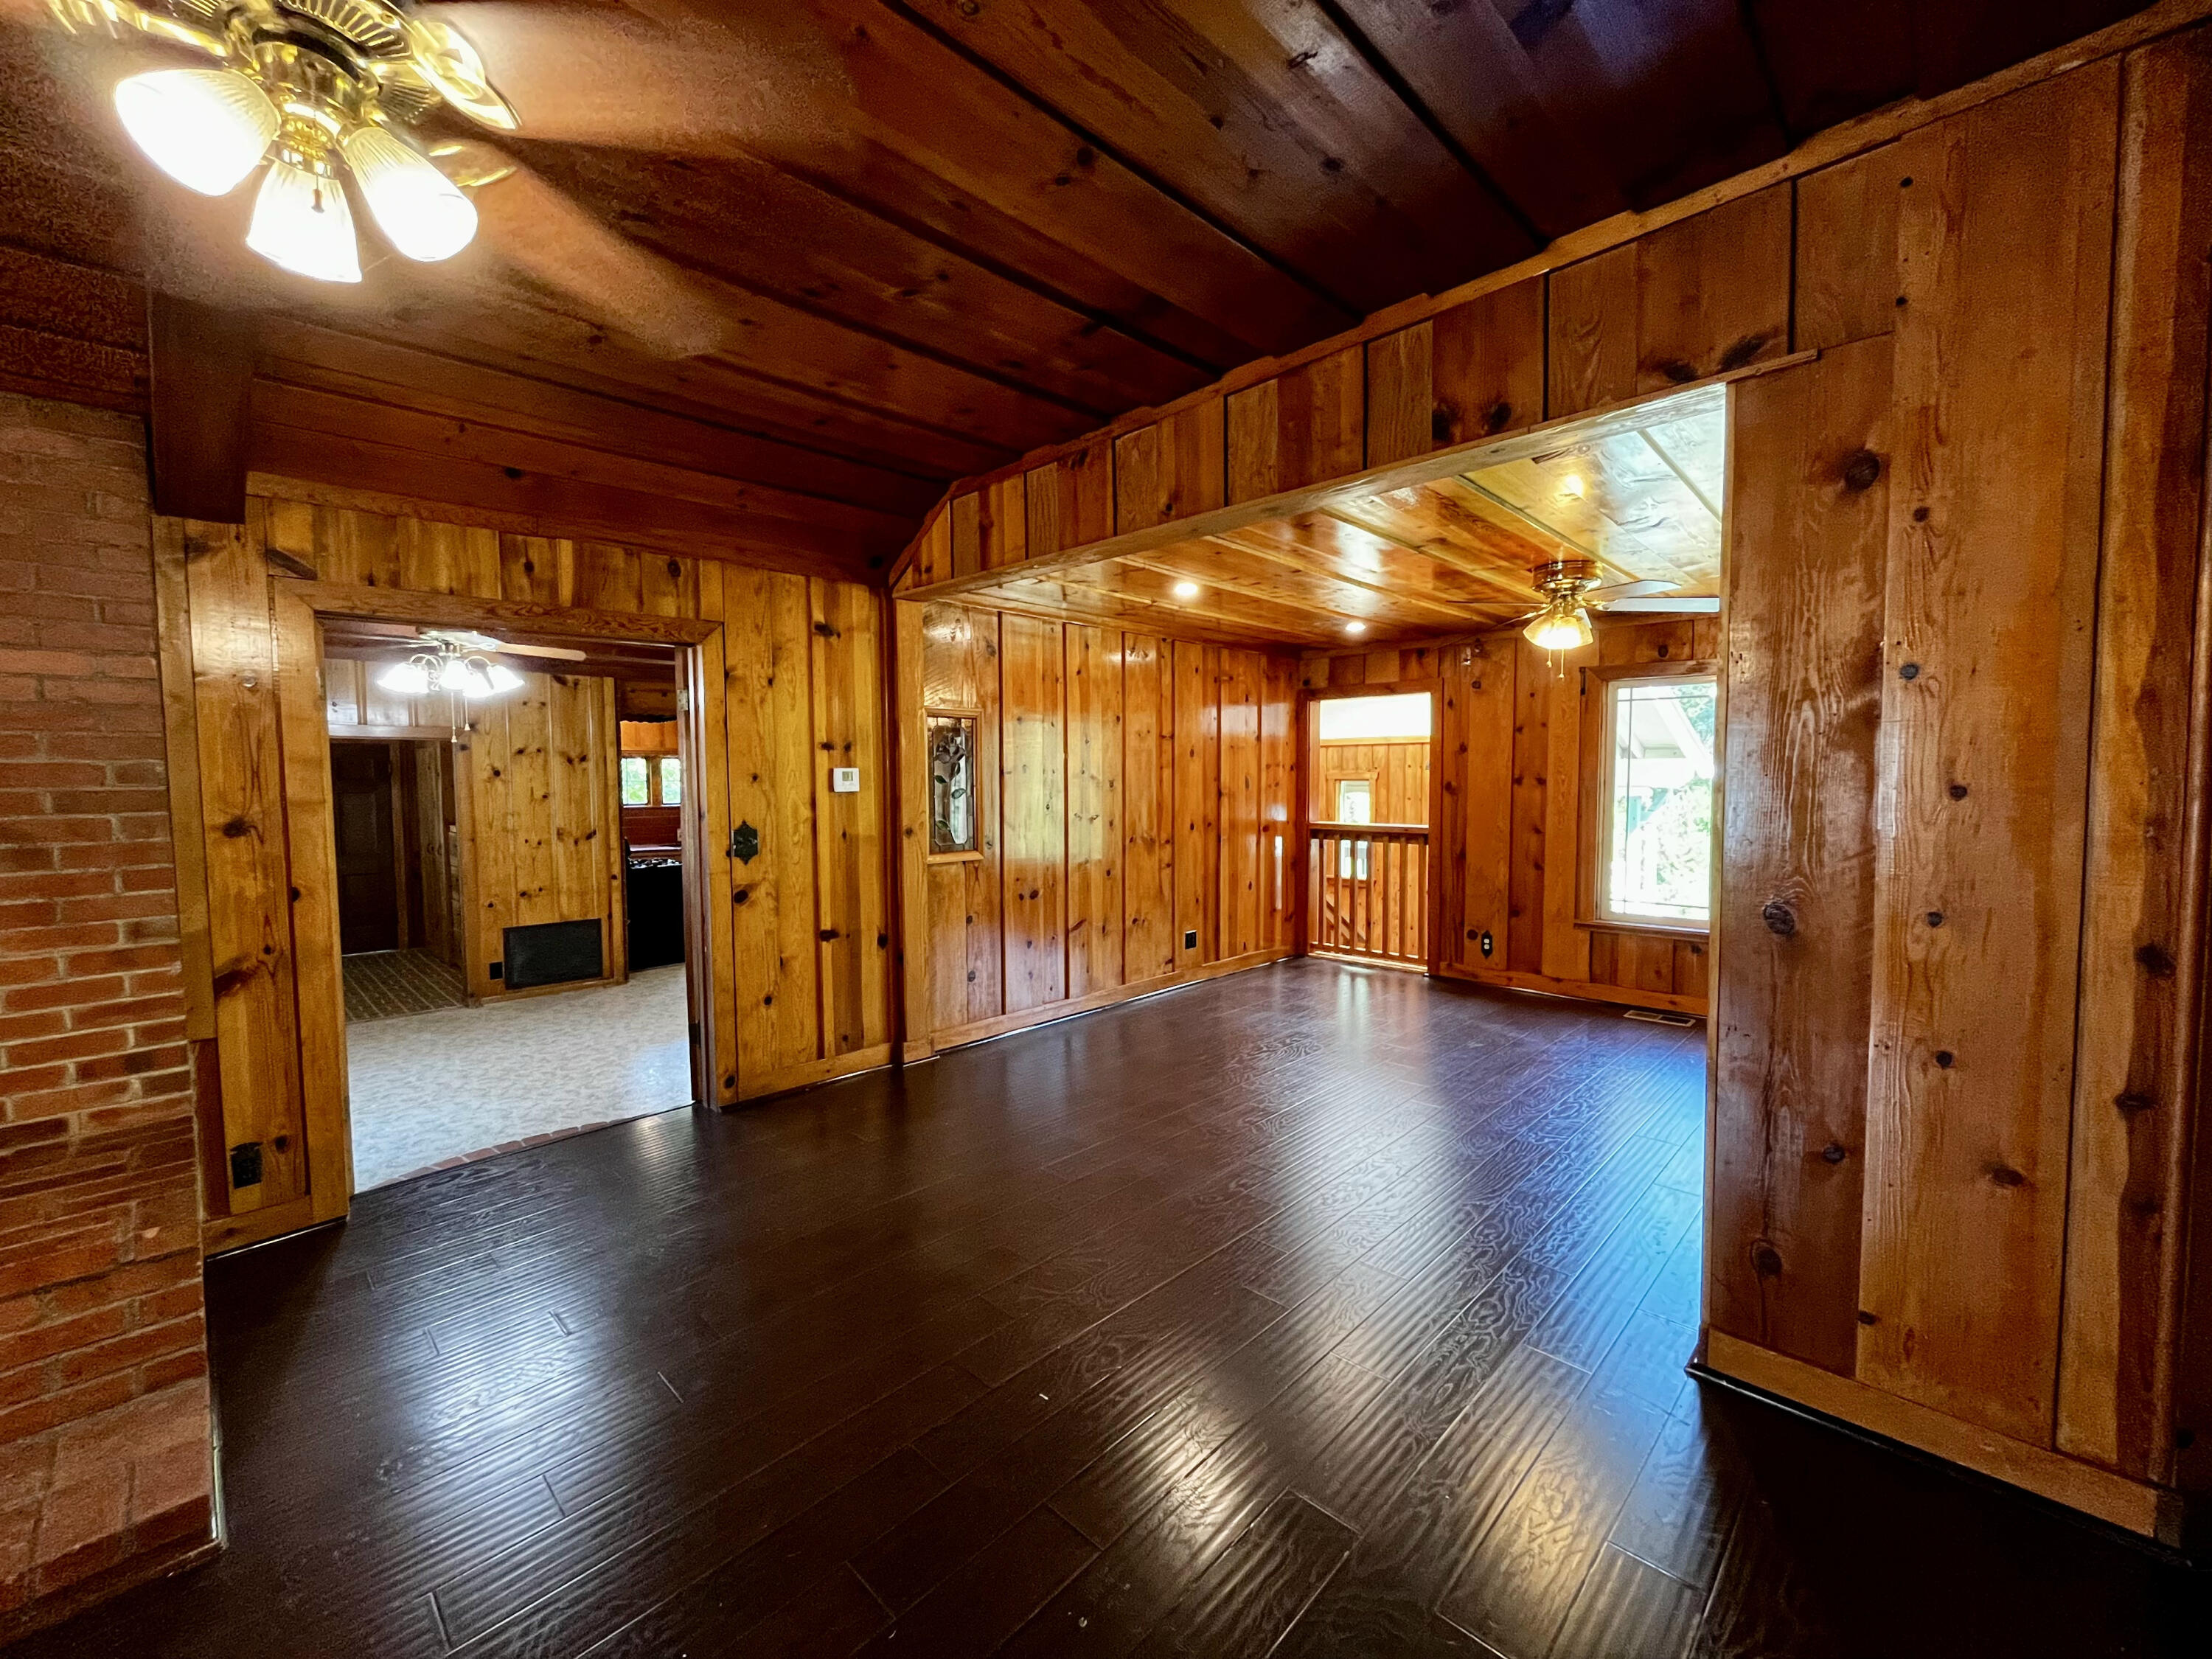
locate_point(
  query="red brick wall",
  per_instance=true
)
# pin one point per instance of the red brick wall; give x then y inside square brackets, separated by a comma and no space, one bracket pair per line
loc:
[104,1421]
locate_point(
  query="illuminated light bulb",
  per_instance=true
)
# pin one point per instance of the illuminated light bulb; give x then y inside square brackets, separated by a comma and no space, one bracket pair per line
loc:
[503,677]
[1355,628]
[468,677]
[1560,629]
[301,221]
[421,211]
[1571,486]
[410,678]
[1185,590]
[207,128]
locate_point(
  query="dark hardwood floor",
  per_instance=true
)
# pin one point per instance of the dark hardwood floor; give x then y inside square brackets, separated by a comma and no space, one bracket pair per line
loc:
[1318,1310]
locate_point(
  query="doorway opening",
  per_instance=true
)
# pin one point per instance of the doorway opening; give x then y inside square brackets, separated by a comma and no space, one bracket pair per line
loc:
[510,863]
[1369,811]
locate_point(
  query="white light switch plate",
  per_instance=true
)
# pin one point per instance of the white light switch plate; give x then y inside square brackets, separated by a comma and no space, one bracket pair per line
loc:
[844,780]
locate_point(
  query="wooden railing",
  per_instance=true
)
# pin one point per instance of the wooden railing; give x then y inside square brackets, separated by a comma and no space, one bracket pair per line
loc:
[1370,892]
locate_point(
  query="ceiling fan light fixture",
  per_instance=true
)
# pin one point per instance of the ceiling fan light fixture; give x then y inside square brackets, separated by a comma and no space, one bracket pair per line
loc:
[411,678]
[207,128]
[1560,626]
[420,210]
[503,677]
[301,221]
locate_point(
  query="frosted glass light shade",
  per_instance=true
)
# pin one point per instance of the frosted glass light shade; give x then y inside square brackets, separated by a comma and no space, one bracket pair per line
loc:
[1560,630]
[420,210]
[410,678]
[503,678]
[467,677]
[207,128]
[301,221]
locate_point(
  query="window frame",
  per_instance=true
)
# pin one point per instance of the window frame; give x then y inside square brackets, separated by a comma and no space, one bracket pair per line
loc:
[978,725]
[652,759]
[1591,897]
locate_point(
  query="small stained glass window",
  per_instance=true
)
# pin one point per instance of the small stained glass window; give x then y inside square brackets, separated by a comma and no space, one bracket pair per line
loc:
[952,823]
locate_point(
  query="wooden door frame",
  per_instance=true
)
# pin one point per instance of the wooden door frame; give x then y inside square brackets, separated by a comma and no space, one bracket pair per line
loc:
[1310,769]
[298,608]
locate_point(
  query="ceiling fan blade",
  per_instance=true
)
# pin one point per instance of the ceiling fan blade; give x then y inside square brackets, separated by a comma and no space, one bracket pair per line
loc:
[1690,604]
[1628,591]
[536,229]
[663,76]
[560,652]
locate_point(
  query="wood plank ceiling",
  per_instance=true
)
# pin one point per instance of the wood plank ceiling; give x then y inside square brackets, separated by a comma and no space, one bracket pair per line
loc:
[916,238]
[1641,499]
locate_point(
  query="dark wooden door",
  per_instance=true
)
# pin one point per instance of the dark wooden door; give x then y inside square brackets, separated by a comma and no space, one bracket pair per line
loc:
[369,886]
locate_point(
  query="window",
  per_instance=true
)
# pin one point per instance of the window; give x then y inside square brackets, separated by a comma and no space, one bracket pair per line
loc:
[1355,804]
[1657,829]
[636,786]
[952,821]
[671,780]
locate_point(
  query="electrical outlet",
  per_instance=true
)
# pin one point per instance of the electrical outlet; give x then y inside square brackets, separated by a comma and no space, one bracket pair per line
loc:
[844,780]
[1190,939]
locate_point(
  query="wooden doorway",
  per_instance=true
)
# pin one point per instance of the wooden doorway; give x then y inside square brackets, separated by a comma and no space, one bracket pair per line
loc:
[1370,803]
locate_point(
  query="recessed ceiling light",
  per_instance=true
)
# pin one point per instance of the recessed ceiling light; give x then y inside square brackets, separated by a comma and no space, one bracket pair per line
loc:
[1355,628]
[1185,590]
[1572,485]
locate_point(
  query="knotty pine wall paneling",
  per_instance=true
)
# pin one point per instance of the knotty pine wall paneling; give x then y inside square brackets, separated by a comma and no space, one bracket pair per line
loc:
[1131,789]
[795,664]
[541,839]
[2004,882]
[1507,849]
[2133,1081]
[2004,234]
[1808,523]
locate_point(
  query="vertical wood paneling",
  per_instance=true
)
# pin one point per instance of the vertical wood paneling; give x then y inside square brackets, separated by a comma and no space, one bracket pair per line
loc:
[1147,808]
[2004,246]
[1034,811]
[311,852]
[918,1002]
[1488,372]
[1532,674]
[1809,527]
[1197,786]
[1303,426]
[960,673]
[1002,527]
[716,869]
[1172,469]
[1401,394]
[1242,682]
[248,871]
[1699,297]
[1070,501]
[1483,779]
[1846,287]
[768,727]
[1566,947]
[848,830]
[1094,810]
[2122,1231]
[1279,777]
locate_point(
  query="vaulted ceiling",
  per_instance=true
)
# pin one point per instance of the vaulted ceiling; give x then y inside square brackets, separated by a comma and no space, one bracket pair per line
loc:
[927,235]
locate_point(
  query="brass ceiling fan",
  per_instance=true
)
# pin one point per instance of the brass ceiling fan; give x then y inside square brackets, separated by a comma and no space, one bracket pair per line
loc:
[328,93]
[1571,590]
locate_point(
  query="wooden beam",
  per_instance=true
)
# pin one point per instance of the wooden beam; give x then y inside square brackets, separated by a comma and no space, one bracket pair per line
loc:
[493,616]
[202,378]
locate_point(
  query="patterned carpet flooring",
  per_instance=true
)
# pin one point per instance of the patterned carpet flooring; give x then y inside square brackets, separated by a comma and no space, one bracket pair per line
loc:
[434,1090]
[385,984]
